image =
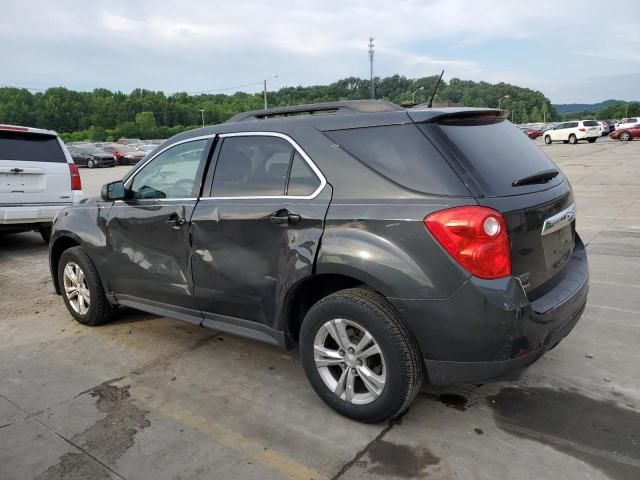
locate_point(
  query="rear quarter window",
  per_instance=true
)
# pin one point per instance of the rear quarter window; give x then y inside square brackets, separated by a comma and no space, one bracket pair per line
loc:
[590,123]
[402,154]
[30,147]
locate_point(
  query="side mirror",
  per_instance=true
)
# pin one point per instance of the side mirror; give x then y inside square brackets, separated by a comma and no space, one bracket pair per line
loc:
[113,191]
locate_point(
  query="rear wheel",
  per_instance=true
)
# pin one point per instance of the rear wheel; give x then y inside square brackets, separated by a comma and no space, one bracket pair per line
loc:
[573,139]
[625,136]
[81,288]
[359,356]
[592,140]
[547,139]
[90,163]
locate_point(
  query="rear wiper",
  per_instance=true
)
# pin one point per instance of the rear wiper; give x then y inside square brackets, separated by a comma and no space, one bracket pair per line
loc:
[540,177]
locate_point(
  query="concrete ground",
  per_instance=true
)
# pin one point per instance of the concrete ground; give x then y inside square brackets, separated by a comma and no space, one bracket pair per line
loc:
[153,398]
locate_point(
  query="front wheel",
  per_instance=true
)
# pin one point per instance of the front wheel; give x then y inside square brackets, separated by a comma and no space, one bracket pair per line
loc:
[90,163]
[81,288]
[547,139]
[625,136]
[360,357]
[573,139]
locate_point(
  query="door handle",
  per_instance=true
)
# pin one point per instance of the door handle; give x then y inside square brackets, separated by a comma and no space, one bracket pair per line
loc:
[284,217]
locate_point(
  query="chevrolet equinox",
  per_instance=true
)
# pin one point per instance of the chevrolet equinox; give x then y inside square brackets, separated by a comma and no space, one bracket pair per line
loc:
[388,244]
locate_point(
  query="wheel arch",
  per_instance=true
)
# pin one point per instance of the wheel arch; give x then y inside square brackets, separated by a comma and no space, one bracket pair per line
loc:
[57,248]
[308,291]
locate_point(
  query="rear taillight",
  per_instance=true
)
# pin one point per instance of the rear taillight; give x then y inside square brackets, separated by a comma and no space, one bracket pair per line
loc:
[76,184]
[581,129]
[476,237]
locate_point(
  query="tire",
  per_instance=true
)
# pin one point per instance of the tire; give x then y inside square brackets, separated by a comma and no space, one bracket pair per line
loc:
[592,140]
[573,139]
[625,137]
[398,362]
[90,163]
[547,140]
[45,233]
[99,310]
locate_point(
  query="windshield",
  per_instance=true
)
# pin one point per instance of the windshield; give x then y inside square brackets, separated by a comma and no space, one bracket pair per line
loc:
[93,150]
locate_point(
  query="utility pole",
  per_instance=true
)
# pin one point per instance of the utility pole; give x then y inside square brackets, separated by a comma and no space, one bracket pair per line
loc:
[202,113]
[372,88]
[265,89]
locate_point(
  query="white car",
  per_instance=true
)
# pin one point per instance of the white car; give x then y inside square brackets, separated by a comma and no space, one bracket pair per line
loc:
[604,128]
[37,179]
[627,123]
[573,132]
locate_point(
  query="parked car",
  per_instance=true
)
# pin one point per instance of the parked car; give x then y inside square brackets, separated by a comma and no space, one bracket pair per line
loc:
[532,133]
[627,123]
[146,148]
[605,127]
[125,155]
[37,179]
[351,234]
[91,157]
[626,134]
[573,132]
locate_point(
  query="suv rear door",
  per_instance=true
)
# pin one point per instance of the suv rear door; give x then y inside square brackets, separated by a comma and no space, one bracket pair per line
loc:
[33,169]
[258,230]
[503,166]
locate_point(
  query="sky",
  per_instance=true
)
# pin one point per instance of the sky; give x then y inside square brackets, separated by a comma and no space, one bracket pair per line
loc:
[572,51]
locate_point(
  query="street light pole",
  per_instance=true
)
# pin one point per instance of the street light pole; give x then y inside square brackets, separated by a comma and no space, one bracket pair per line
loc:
[202,113]
[500,100]
[413,95]
[265,89]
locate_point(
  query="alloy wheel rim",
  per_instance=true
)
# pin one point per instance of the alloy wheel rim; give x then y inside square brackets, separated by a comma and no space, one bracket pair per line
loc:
[76,289]
[349,361]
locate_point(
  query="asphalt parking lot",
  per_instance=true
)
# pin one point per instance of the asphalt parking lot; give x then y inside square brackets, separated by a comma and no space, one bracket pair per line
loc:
[153,398]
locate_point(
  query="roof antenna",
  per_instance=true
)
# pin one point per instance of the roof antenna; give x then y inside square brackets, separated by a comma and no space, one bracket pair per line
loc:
[430,102]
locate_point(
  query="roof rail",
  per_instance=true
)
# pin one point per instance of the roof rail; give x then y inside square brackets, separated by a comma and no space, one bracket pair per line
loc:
[335,108]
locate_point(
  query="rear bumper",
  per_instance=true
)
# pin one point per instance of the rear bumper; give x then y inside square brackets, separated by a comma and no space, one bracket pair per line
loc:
[488,329]
[30,214]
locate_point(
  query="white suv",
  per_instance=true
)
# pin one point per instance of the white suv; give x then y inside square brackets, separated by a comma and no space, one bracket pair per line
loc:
[37,179]
[573,132]
[627,123]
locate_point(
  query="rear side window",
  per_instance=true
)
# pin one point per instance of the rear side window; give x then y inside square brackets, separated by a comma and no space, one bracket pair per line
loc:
[30,147]
[496,154]
[590,123]
[252,166]
[261,166]
[571,125]
[402,154]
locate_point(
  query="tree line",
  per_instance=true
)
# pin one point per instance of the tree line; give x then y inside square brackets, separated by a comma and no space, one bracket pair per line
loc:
[615,111]
[102,115]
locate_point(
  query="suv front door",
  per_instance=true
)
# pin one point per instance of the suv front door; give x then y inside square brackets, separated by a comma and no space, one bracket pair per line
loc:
[258,232]
[148,232]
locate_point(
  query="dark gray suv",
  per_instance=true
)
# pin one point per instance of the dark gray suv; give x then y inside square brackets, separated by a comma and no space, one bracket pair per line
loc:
[388,244]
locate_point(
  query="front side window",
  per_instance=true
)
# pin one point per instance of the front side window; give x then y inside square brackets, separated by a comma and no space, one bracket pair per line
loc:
[172,174]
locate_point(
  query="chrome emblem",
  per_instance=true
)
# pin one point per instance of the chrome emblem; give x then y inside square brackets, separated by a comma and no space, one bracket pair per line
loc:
[559,220]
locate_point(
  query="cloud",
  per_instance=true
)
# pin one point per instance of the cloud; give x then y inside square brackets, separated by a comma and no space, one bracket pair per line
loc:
[199,45]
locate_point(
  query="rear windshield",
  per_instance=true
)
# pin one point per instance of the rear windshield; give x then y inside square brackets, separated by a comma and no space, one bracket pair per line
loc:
[402,154]
[590,123]
[30,147]
[496,154]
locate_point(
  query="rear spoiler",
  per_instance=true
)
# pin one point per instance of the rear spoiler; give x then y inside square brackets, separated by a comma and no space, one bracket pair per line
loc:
[456,114]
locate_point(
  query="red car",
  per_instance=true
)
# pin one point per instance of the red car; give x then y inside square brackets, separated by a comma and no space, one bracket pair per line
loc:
[626,133]
[125,154]
[533,134]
